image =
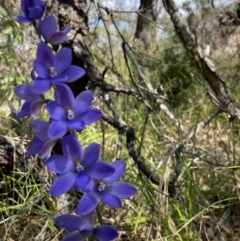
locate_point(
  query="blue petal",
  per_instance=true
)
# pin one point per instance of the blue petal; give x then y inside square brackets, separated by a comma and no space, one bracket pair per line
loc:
[62,60]
[41,70]
[57,129]
[40,86]
[56,111]
[66,30]
[89,217]
[111,200]
[45,54]
[91,116]
[24,92]
[82,181]
[36,147]
[121,189]
[83,102]
[24,6]
[93,187]
[25,110]
[105,233]
[33,3]
[48,26]
[47,148]
[91,154]
[58,38]
[86,225]
[35,13]
[69,222]
[73,73]
[76,125]
[87,204]
[76,236]
[120,168]
[64,96]
[60,164]
[100,170]
[22,19]
[72,223]
[40,127]
[59,79]
[36,108]
[72,148]
[63,184]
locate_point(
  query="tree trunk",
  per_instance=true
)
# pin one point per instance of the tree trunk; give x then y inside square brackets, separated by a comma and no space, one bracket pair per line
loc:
[146,31]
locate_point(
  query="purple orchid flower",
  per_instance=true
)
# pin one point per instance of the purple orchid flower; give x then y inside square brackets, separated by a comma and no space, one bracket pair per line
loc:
[109,190]
[53,69]
[82,228]
[32,10]
[76,168]
[49,30]
[33,102]
[70,113]
[41,143]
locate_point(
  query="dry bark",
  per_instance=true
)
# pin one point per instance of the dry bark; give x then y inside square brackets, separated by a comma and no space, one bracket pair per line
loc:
[147,16]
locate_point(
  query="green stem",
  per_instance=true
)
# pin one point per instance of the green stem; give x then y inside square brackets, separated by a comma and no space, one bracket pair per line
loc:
[99,215]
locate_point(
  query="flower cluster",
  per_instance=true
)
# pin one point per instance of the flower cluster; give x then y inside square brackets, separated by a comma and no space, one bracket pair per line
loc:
[77,168]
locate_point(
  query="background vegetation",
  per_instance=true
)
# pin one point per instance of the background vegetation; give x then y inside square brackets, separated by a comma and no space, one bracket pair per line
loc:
[184,137]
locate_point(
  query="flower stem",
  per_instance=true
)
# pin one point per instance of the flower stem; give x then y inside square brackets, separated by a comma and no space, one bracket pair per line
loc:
[99,215]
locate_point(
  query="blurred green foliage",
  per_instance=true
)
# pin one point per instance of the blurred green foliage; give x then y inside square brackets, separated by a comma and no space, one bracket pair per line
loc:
[11,39]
